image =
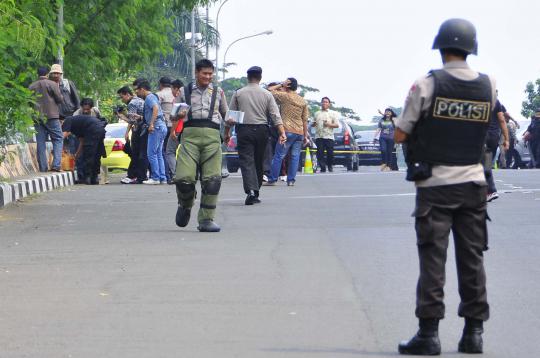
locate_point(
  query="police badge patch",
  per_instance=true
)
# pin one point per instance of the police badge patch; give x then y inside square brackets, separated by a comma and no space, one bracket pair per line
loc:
[463,110]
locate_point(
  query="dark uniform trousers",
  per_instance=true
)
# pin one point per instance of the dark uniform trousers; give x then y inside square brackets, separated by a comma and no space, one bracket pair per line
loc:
[460,208]
[492,143]
[93,149]
[252,142]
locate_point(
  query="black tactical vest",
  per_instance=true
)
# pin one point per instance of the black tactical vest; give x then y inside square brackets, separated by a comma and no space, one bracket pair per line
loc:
[204,122]
[453,132]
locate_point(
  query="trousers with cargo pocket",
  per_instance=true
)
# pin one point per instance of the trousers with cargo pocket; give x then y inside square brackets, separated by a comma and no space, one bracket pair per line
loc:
[200,151]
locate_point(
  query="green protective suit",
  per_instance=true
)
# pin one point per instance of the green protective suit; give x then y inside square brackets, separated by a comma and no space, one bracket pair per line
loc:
[200,149]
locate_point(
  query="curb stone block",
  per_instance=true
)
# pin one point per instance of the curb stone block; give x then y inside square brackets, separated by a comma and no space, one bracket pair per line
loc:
[11,192]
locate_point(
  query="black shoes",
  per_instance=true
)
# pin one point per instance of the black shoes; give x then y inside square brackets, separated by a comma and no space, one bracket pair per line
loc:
[208,226]
[182,216]
[252,198]
[425,342]
[471,340]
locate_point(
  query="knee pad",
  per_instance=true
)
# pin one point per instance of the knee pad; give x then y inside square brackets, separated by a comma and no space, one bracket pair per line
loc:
[185,187]
[211,186]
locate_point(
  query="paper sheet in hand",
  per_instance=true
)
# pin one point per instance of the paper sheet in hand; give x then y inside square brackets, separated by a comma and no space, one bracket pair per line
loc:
[236,116]
[178,108]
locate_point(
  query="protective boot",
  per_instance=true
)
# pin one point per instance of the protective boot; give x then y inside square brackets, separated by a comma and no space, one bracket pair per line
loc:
[208,226]
[471,340]
[186,195]
[425,342]
[182,216]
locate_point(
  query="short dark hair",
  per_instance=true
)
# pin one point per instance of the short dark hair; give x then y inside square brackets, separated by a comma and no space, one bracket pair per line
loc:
[165,81]
[254,76]
[144,85]
[87,102]
[204,63]
[138,80]
[125,90]
[293,86]
[455,52]
[42,71]
[322,99]
[177,84]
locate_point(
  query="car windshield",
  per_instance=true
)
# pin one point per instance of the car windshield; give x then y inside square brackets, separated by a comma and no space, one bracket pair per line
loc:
[339,129]
[115,131]
[366,136]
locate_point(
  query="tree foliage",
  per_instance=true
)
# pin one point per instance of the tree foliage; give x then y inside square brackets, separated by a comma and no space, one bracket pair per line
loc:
[532,103]
[104,43]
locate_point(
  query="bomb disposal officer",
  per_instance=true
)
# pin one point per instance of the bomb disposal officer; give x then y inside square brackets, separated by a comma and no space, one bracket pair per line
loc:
[444,122]
[201,148]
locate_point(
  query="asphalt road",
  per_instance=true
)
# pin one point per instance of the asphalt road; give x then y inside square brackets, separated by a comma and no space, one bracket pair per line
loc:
[327,268]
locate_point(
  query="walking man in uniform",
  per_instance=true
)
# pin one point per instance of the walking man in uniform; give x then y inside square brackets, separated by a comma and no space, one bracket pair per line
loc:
[201,148]
[258,106]
[325,121]
[444,122]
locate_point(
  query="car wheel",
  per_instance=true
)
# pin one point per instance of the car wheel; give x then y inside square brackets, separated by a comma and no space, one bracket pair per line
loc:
[350,163]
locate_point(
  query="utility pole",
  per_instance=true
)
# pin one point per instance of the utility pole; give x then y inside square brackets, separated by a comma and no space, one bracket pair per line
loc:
[207,35]
[193,45]
[60,33]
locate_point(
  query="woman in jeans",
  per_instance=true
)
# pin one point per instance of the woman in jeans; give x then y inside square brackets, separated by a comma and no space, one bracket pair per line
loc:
[385,133]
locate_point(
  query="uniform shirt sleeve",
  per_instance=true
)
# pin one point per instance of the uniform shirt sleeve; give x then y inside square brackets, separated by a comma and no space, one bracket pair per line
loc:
[223,108]
[273,111]
[234,102]
[414,104]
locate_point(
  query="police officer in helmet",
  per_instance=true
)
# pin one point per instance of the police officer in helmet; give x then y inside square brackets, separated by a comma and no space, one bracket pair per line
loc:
[444,123]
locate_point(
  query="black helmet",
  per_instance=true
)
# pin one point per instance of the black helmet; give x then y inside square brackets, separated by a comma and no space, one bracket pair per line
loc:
[457,33]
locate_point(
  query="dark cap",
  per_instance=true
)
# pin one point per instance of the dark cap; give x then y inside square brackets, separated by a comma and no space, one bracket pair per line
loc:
[254,69]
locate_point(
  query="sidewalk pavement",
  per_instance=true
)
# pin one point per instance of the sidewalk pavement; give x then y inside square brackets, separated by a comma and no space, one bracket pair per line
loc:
[40,182]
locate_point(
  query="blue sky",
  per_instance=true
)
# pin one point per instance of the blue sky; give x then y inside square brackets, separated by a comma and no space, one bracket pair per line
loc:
[366,54]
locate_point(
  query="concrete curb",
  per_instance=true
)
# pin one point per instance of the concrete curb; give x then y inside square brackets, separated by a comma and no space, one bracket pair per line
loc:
[11,192]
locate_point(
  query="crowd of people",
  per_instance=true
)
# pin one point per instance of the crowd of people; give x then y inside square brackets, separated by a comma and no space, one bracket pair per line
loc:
[269,142]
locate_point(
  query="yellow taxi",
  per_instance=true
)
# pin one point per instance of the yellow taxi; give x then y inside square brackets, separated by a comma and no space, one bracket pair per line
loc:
[114,147]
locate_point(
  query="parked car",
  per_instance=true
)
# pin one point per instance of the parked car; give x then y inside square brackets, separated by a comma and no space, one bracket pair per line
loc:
[231,152]
[114,147]
[370,150]
[345,147]
[522,156]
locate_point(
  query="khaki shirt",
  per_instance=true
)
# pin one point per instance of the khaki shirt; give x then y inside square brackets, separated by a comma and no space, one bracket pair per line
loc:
[418,103]
[294,111]
[201,99]
[257,104]
[328,116]
[166,99]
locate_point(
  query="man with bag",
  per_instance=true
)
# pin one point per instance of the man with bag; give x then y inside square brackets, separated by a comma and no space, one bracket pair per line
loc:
[200,153]
[444,121]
